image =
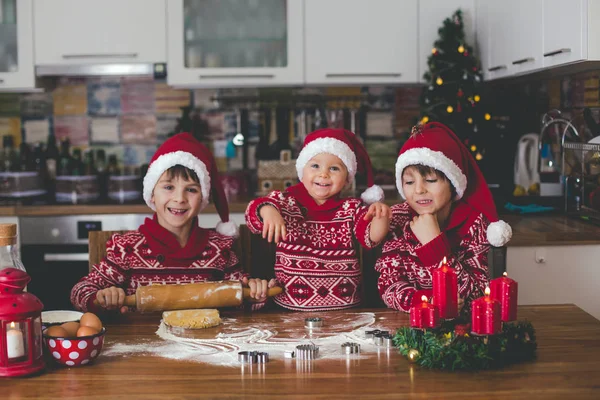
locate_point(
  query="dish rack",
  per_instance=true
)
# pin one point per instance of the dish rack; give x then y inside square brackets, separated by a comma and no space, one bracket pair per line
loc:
[581,172]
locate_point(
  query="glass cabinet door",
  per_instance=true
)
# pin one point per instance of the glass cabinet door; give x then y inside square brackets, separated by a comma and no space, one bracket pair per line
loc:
[235,42]
[16,45]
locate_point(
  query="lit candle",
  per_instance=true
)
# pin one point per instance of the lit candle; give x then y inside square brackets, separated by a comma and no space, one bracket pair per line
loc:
[485,315]
[445,291]
[424,315]
[505,291]
[14,342]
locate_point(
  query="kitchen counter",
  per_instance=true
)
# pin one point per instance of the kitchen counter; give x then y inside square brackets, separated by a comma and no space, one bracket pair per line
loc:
[566,366]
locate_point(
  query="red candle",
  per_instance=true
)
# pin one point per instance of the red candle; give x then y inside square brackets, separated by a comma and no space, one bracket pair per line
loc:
[485,315]
[505,290]
[445,291]
[424,315]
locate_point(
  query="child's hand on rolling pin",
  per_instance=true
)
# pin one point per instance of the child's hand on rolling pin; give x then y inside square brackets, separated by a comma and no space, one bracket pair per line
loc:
[258,287]
[112,298]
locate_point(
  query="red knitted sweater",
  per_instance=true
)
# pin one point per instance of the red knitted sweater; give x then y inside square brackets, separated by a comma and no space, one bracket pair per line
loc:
[152,255]
[317,264]
[405,265]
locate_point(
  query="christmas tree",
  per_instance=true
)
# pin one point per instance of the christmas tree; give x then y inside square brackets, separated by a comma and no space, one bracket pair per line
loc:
[453,92]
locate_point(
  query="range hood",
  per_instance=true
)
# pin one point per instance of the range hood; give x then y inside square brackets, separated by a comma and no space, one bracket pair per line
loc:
[156,70]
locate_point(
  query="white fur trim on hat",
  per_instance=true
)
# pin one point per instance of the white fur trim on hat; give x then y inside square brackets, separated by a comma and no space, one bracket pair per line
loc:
[499,233]
[331,146]
[168,160]
[228,228]
[433,159]
[372,195]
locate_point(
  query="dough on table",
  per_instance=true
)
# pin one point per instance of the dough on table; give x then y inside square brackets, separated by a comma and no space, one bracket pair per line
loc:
[192,319]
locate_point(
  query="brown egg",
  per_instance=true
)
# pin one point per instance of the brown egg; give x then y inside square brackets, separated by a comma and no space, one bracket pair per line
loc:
[91,320]
[57,331]
[86,331]
[71,328]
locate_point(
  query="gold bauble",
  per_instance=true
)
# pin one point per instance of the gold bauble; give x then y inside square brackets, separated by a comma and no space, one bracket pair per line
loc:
[433,51]
[413,355]
[425,119]
[461,49]
[487,116]
[449,109]
[473,147]
[478,157]
[439,81]
[470,120]
[476,97]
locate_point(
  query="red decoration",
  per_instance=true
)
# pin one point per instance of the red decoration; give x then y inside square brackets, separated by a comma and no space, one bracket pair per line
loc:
[20,326]
[466,53]
[485,315]
[445,291]
[424,315]
[474,69]
[505,291]
[458,107]
[460,93]
[461,330]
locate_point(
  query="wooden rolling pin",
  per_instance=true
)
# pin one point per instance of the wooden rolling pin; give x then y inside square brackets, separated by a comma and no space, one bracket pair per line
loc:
[193,295]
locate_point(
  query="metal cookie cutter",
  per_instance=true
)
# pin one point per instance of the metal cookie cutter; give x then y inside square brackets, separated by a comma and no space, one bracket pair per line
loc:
[314,322]
[262,357]
[383,339]
[307,352]
[370,334]
[289,354]
[350,348]
[248,357]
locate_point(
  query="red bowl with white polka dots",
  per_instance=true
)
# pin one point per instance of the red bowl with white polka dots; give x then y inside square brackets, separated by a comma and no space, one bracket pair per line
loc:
[75,351]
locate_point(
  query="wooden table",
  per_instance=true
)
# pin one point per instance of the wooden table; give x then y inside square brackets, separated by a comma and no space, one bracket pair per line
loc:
[568,366]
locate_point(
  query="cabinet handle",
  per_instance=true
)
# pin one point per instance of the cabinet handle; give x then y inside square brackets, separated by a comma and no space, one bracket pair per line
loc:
[499,67]
[523,60]
[67,257]
[555,52]
[365,75]
[107,55]
[220,76]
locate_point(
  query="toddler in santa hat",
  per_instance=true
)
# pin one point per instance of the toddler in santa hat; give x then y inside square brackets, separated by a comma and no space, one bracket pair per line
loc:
[314,226]
[449,212]
[170,247]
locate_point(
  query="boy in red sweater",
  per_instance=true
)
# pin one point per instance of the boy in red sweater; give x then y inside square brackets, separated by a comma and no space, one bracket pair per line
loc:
[449,212]
[170,248]
[314,227]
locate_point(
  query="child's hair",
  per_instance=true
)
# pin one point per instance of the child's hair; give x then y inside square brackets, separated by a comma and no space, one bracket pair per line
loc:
[425,170]
[179,171]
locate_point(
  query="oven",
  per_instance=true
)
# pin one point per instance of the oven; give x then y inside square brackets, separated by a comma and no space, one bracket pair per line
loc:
[54,250]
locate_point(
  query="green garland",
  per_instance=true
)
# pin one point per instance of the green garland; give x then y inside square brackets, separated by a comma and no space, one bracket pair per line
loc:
[443,348]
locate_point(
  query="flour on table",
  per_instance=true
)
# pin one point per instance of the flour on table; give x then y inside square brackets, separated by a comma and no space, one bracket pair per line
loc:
[220,345]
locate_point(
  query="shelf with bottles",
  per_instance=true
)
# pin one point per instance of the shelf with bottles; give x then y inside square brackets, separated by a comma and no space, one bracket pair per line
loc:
[581,171]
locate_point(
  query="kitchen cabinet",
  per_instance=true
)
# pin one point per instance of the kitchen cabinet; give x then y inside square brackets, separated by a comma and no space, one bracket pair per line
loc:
[235,43]
[432,14]
[557,275]
[361,42]
[71,32]
[566,31]
[16,45]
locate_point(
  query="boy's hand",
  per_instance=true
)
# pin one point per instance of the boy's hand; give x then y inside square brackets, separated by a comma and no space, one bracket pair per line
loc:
[112,298]
[258,287]
[378,210]
[273,224]
[425,227]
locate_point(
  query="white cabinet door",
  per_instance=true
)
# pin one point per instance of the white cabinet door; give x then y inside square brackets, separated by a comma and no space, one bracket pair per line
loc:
[482,39]
[99,32]
[16,45]
[526,32]
[499,18]
[361,42]
[432,14]
[235,43]
[565,31]
[557,275]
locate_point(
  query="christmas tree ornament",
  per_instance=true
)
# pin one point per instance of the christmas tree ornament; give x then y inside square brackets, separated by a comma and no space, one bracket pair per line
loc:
[460,93]
[439,81]
[475,128]
[466,53]
[477,78]
[478,157]
[465,76]
[470,120]
[476,97]
[434,51]
[413,356]
[427,100]
[425,119]
[449,109]
[461,48]
[430,87]
[473,148]
[487,116]
[458,107]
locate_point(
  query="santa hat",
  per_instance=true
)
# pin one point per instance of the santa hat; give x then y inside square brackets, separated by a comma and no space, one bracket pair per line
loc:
[183,149]
[347,147]
[436,146]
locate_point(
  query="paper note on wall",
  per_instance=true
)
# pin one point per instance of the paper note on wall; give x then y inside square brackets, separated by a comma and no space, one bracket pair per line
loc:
[76,128]
[11,127]
[70,100]
[105,130]
[138,129]
[36,130]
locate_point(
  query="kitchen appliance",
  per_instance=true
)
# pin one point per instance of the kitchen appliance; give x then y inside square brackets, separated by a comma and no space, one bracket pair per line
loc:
[54,251]
[526,161]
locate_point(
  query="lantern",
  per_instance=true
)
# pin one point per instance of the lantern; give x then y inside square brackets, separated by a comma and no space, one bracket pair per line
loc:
[20,325]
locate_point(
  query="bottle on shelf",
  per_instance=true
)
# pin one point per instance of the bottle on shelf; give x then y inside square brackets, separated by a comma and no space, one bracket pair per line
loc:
[65,161]
[89,167]
[9,157]
[51,157]
[25,160]
[78,167]
[101,168]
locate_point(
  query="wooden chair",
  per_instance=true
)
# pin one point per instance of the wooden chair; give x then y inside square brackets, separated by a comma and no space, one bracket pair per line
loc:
[97,245]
